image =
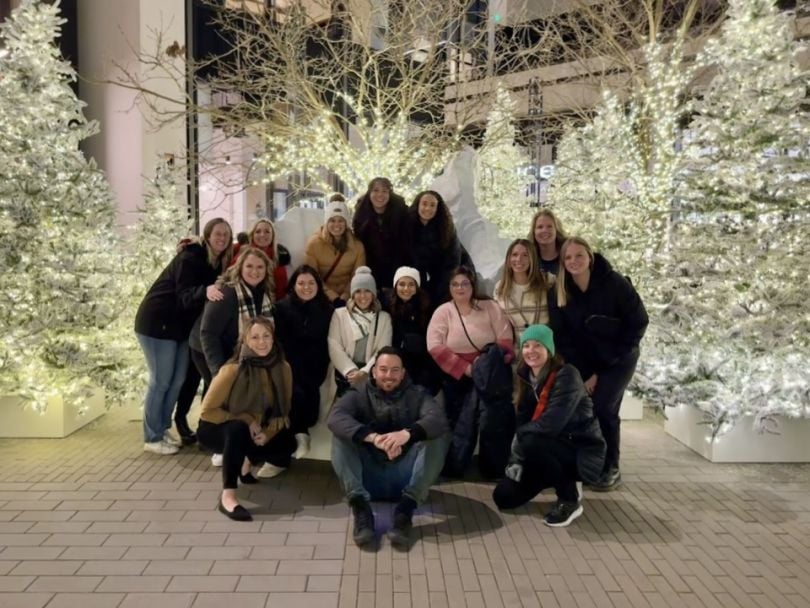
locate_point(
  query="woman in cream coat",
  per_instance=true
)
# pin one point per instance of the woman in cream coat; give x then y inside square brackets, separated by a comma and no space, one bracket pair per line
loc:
[357,332]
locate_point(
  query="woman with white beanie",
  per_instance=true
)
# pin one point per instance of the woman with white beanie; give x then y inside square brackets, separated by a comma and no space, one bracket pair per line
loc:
[335,252]
[357,332]
[410,308]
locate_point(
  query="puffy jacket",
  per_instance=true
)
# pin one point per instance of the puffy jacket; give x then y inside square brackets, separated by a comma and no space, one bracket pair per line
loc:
[600,326]
[321,255]
[366,409]
[568,416]
[488,409]
[434,262]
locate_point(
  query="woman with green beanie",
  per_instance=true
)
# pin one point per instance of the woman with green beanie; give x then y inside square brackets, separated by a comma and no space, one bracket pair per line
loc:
[558,441]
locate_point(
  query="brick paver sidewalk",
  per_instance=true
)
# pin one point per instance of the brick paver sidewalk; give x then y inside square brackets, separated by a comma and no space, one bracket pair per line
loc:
[91,521]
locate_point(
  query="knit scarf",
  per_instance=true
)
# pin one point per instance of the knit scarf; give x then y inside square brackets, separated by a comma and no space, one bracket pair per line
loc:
[259,389]
[362,322]
[247,309]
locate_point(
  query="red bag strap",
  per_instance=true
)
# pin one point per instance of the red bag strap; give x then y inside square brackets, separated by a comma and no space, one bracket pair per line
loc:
[542,402]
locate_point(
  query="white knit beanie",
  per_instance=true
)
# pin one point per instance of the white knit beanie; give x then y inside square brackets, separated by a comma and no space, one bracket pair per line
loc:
[363,279]
[336,209]
[407,272]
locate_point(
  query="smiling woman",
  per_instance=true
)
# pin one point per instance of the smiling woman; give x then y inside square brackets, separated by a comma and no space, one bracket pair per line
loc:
[164,321]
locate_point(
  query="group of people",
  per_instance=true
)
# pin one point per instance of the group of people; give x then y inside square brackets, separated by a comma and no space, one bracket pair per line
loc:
[419,365]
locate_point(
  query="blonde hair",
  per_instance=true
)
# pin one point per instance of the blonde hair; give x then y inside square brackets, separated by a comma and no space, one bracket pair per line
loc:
[560,236]
[537,279]
[233,275]
[273,244]
[561,284]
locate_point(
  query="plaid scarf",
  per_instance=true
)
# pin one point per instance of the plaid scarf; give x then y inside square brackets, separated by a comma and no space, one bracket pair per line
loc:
[247,308]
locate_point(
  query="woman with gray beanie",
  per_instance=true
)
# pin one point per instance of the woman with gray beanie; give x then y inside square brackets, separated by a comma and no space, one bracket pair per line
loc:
[357,332]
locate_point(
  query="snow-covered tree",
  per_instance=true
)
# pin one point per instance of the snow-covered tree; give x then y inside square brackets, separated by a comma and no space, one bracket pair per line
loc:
[502,179]
[616,175]
[164,220]
[740,254]
[59,289]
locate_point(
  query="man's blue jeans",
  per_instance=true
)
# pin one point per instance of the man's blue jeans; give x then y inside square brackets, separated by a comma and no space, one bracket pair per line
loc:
[362,474]
[167,361]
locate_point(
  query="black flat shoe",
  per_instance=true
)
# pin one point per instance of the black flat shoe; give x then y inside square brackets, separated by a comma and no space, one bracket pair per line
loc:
[248,478]
[239,512]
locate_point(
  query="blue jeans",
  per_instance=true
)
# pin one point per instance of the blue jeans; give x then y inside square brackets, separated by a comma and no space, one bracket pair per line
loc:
[167,361]
[363,474]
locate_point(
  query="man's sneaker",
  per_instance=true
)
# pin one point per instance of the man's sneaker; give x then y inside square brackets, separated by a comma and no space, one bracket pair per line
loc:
[171,439]
[160,447]
[216,460]
[363,532]
[562,514]
[400,532]
[302,442]
[610,480]
[269,470]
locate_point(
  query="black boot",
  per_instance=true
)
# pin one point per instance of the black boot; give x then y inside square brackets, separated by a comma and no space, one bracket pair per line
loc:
[363,532]
[187,436]
[610,480]
[400,532]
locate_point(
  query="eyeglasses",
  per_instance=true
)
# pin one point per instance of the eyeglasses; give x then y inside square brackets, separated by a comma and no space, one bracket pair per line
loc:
[460,284]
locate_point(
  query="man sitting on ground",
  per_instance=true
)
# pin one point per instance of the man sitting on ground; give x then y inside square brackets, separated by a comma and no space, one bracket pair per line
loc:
[390,440]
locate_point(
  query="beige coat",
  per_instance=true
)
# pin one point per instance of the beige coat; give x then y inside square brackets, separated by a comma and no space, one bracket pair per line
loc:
[320,254]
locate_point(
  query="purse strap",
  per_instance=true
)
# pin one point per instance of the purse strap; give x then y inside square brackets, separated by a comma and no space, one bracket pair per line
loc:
[329,272]
[542,402]
[464,327]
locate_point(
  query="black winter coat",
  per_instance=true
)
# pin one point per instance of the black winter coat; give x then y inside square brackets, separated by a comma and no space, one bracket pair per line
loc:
[383,236]
[568,416]
[219,327]
[434,262]
[302,329]
[598,327]
[176,298]
[487,407]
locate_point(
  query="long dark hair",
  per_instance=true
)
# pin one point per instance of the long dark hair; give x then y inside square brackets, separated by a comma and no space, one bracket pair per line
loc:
[443,220]
[364,212]
[320,297]
[399,308]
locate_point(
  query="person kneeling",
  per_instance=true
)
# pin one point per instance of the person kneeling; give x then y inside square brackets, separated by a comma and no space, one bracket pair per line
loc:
[390,440]
[245,413]
[558,441]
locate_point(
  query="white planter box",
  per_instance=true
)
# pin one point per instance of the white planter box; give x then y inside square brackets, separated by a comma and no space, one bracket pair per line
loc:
[58,419]
[632,407]
[791,442]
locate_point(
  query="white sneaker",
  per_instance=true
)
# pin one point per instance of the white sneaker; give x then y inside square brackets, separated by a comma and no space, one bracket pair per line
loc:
[269,470]
[160,447]
[171,439]
[302,439]
[216,460]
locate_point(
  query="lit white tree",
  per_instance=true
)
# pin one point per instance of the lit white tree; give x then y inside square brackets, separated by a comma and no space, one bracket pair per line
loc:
[59,289]
[740,252]
[501,178]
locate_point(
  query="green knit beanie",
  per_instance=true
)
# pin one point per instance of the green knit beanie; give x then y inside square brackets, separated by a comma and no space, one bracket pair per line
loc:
[541,334]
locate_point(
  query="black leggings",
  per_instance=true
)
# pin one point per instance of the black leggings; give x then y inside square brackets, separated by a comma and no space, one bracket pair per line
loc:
[232,439]
[551,463]
[305,407]
[188,391]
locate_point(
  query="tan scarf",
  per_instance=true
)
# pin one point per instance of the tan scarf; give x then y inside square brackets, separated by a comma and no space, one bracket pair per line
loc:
[259,389]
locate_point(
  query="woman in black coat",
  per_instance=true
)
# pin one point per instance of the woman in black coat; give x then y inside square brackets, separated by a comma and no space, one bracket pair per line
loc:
[433,245]
[302,327]
[164,320]
[599,320]
[558,441]
[410,310]
[379,223]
